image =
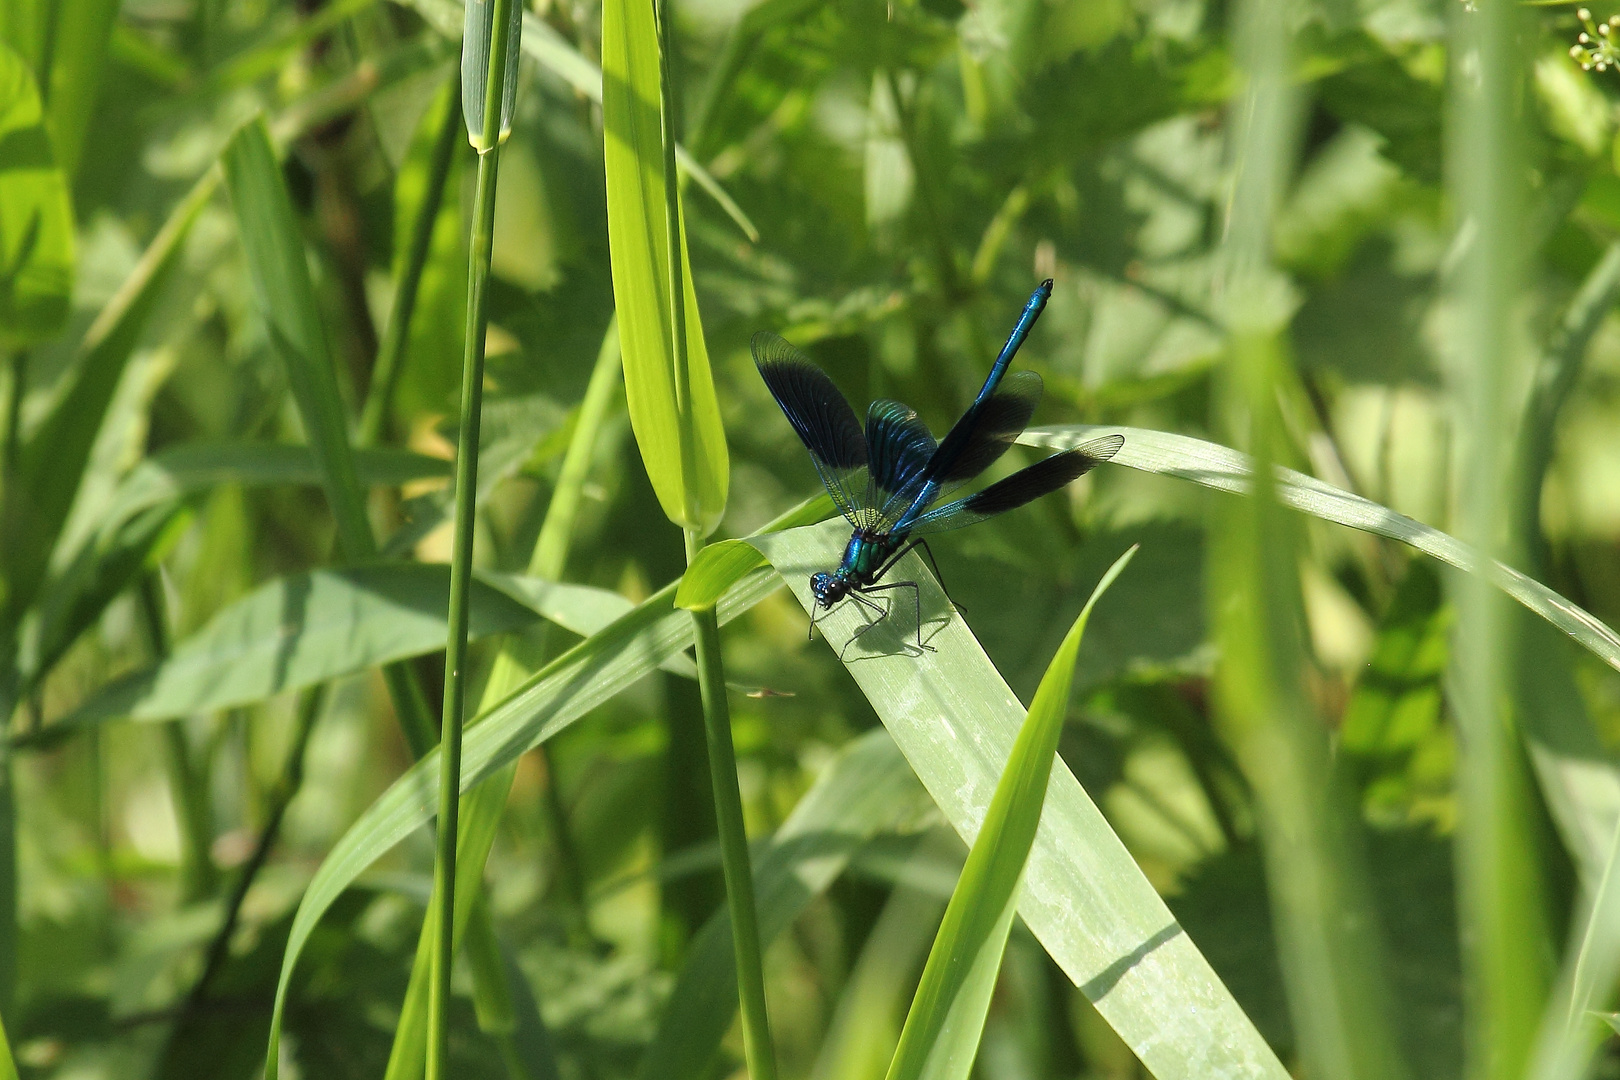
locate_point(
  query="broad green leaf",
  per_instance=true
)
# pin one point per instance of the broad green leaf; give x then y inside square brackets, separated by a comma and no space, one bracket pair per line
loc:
[274,249]
[865,790]
[192,467]
[1223,469]
[675,413]
[1099,918]
[307,628]
[590,673]
[36,216]
[941,1035]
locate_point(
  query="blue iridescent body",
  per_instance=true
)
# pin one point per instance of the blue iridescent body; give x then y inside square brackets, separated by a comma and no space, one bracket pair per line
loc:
[886,477]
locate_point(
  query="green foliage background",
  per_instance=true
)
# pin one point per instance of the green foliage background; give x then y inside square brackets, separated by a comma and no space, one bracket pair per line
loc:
[883,184]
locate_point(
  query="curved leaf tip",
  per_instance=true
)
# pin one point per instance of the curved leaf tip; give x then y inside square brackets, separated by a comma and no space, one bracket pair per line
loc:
[716,569]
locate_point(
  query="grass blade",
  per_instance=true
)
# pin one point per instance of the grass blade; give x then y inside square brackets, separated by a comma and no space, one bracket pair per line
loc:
[1099,918]
[299,630]
[673,407]
[1223,469]
[941,1034]
[274,250]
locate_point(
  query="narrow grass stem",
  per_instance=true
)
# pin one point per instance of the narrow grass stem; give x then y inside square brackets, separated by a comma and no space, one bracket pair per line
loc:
[197,873]
[455,660]
[391,353]
[734,860]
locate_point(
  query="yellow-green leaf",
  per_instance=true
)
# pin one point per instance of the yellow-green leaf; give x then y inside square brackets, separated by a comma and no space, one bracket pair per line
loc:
[664,406]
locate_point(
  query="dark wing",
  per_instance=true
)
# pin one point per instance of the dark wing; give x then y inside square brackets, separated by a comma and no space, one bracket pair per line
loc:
[900,446]
[823,418]
[975,441]
[1001,419]
[1021,487]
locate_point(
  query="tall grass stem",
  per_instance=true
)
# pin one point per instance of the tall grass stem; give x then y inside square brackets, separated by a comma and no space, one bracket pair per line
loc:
[455,661]
[758,1050]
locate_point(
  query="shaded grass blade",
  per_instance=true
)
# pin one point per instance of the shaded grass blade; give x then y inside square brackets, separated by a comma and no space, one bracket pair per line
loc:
[673,407]
[941,1035]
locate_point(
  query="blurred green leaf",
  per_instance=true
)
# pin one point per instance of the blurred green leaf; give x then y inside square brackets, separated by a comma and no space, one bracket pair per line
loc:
[193,467]
[865,790]
[941,1035]
[675,413]
[1396,701]
[36,216]
[78,59]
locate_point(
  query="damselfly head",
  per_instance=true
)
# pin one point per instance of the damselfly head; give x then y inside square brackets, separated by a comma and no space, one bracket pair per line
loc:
[828,588]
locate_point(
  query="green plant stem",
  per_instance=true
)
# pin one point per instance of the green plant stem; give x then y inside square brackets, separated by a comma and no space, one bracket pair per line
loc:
[455,659]
[1501,907]
[734,860]
[310,705]
[391,354]
[198,874]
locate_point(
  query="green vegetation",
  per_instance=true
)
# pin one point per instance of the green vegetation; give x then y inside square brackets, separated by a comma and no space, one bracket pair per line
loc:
[362,355]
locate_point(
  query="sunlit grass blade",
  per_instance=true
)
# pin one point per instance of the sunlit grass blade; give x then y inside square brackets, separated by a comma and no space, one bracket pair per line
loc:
[1084,897]
[941,1035]
[1224,469]
[673,407]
